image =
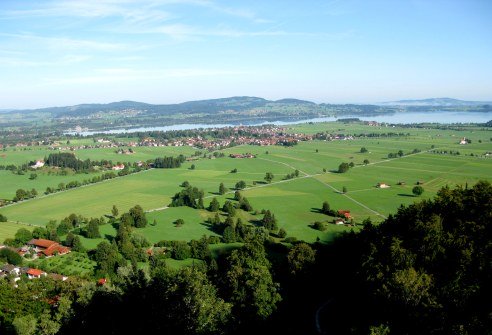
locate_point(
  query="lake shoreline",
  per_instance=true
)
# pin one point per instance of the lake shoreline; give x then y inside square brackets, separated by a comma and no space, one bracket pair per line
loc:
[442,117]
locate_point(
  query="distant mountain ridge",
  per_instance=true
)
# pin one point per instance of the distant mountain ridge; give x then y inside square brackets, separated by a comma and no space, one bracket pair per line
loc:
[211,106]
[238,104]
[434,102]
[232,110]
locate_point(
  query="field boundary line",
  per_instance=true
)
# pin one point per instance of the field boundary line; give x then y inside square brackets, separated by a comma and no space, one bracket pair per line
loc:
[286,164]
[23,223]
[392,159]
[352,199]
[70,189]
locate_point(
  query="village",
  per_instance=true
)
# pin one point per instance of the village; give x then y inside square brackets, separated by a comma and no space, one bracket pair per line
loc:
[241,135]
[33,249]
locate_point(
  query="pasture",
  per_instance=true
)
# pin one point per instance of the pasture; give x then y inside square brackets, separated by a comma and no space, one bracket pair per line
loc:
[8,229]
[295,202]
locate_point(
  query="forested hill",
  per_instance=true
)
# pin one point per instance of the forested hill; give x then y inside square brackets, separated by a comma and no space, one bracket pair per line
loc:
[436,102]
[212,106]
[233,110]
[242,104]
[425,270]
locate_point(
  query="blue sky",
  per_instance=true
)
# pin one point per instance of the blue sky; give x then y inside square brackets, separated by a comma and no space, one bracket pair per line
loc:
[55,53]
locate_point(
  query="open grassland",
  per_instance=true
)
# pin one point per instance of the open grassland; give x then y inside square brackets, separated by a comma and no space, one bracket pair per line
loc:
[8,229]
[24,155]
[11,182]
[295,202]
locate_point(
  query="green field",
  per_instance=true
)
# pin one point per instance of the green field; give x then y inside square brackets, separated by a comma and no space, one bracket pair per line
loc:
[295,202]
[8,229]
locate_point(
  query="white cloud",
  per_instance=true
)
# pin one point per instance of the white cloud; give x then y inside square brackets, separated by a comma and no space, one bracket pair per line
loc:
[131,10]
[134,11]
[67,43]
[180,31]
[26,62]
[119,75]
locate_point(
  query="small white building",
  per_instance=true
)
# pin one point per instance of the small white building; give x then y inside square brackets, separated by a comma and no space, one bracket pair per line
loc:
[10,269]
[38,164]
[118,167]
[463,141]
[35,273]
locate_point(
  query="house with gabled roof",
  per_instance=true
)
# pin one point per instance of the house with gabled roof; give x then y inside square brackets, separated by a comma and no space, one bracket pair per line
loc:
[345,213]
[35,273]
[47,247]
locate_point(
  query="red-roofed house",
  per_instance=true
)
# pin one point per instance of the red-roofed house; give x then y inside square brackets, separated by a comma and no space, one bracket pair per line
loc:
[48,247]
[41,243]
[345,213]
[101,281]
[35,273]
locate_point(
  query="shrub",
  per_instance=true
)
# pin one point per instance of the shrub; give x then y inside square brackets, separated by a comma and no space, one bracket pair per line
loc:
[319,226]
[418,190]
[290,239]
[282,233]
[344,167]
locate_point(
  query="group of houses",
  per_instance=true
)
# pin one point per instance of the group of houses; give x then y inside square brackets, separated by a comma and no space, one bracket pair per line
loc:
[246,155]
[261,136]
[123,151]
[43,248]
[36,248]
[345,217]
[16,272]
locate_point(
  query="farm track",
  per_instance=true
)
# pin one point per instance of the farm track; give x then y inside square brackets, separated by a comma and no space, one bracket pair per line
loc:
[303,176]
[306,175]
[352,199]
[288,165]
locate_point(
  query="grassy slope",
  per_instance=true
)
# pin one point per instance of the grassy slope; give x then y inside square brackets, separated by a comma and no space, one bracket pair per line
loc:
[8,229]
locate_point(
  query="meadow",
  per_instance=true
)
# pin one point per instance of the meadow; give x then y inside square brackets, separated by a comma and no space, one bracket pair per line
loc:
[295,202]
[8,229]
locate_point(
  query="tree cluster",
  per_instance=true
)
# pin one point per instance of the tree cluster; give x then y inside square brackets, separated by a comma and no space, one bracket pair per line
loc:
[190,196]
[169,162]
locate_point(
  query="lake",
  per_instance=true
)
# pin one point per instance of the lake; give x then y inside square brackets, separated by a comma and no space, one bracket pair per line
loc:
[395,118]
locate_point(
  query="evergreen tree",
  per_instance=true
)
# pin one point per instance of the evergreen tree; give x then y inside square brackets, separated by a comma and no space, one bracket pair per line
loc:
[92,230]
[325,208]
[214,205]
[114,211]
[138,215]
[245,205]
[222,189]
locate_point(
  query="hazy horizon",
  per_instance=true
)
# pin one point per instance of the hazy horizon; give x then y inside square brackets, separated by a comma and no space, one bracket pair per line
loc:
[178,102]
[62,53]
